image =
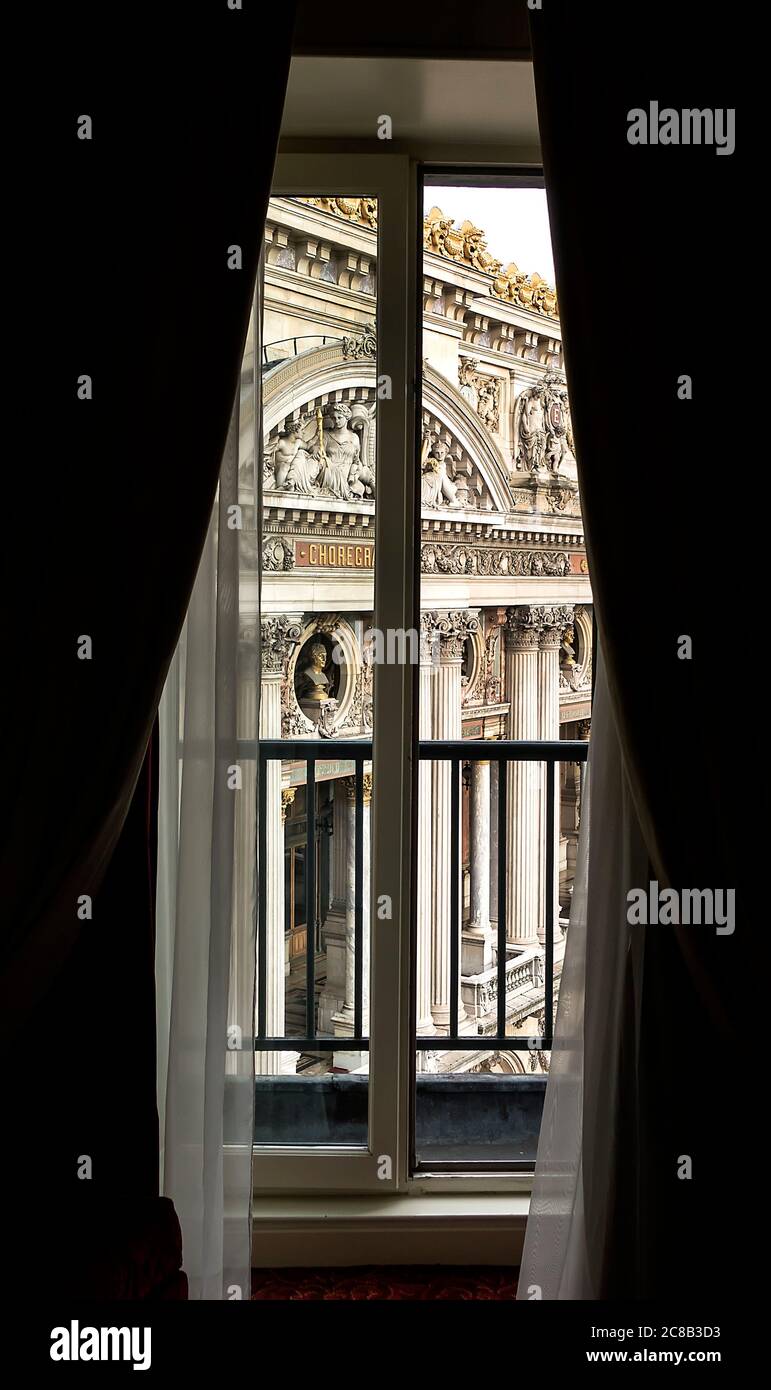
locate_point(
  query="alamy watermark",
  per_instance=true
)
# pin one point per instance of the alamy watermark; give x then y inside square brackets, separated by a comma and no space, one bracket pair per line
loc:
[672,907]
[667,126]
[76,1343]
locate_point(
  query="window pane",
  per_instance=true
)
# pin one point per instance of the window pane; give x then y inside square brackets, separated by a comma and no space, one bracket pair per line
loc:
[506,628]
[317,554]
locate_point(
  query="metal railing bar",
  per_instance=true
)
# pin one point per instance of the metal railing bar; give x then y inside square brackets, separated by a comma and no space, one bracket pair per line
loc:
[455,925]
[501,963]
[481,1042]
[312,1044]
[262,918]
[358,921]
[435,750]
[310,900]
[551,773]
[298,750]
[505,750]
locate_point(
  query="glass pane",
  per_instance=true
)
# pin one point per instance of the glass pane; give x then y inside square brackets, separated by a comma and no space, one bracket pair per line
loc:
[315,545]
[506,627]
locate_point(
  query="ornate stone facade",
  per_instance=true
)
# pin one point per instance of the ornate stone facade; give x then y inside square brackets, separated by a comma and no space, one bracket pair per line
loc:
[503,642]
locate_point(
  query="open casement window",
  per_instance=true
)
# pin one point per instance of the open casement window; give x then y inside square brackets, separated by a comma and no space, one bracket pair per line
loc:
[420,584]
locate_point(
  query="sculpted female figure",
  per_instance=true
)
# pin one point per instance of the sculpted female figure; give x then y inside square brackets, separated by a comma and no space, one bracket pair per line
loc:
[339,451]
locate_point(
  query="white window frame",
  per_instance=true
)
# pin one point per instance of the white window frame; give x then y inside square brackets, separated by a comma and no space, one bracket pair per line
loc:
[340,1171]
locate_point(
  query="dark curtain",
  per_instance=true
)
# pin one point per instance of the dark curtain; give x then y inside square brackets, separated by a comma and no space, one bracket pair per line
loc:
[133,229]
[647,239]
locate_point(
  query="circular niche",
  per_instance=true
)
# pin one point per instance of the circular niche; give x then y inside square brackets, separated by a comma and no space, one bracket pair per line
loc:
[316,674]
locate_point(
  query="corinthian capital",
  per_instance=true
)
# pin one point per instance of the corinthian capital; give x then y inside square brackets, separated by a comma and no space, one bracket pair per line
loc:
[555,620]
[531,626]
[429,638]
[278,637]
[523,628]
[453,629]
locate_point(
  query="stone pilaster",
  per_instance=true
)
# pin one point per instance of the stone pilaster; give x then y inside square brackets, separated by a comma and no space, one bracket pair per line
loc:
[279,636]
[245,881]
[452,629]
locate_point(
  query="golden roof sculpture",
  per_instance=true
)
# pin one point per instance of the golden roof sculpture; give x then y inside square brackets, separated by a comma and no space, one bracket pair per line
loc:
[465,244]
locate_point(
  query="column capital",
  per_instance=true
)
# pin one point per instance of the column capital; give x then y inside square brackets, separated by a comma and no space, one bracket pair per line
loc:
[279,636]
[287,797]
[556,620]
[533,626]
[429,638]
[453,628]
[350,788]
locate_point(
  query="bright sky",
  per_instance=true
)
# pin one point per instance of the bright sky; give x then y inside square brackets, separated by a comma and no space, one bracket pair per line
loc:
[514,220]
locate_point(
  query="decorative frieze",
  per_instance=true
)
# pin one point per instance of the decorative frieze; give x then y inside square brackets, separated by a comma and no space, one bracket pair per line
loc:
[438,558]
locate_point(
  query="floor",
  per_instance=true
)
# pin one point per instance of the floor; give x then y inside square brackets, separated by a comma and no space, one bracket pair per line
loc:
[412,1282]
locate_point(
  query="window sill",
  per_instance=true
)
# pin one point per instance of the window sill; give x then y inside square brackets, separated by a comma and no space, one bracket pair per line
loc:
[420,1228]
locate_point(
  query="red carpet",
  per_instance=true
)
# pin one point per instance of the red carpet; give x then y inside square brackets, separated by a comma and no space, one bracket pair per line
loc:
[413,1282]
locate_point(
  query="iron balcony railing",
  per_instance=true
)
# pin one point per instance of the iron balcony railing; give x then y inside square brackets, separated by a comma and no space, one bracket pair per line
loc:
[284,348]
[358,752]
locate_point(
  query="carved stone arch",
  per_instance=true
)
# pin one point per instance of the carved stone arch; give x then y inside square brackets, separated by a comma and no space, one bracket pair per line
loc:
[317,375]
[292,391]
[443,401]
[513,1062]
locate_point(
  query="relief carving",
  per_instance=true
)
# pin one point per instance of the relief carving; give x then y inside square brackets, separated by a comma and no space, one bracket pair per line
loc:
[439,558]
[543,433]
[326,453]
[483,393]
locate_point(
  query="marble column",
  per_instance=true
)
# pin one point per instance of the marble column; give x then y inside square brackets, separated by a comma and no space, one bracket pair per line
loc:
[452,630]
[428,650]
[478,951]
[494,828]
[332,997]
[343,1022]
[279,636]
[523,780]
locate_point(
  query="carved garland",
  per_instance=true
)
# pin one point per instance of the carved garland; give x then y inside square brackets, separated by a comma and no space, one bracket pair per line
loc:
[436,558]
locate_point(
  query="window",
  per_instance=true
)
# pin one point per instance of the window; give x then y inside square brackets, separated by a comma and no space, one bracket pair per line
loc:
[423,582]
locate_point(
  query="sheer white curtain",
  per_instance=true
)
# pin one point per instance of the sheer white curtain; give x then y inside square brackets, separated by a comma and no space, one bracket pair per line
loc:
[563,1252]
[206,898]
